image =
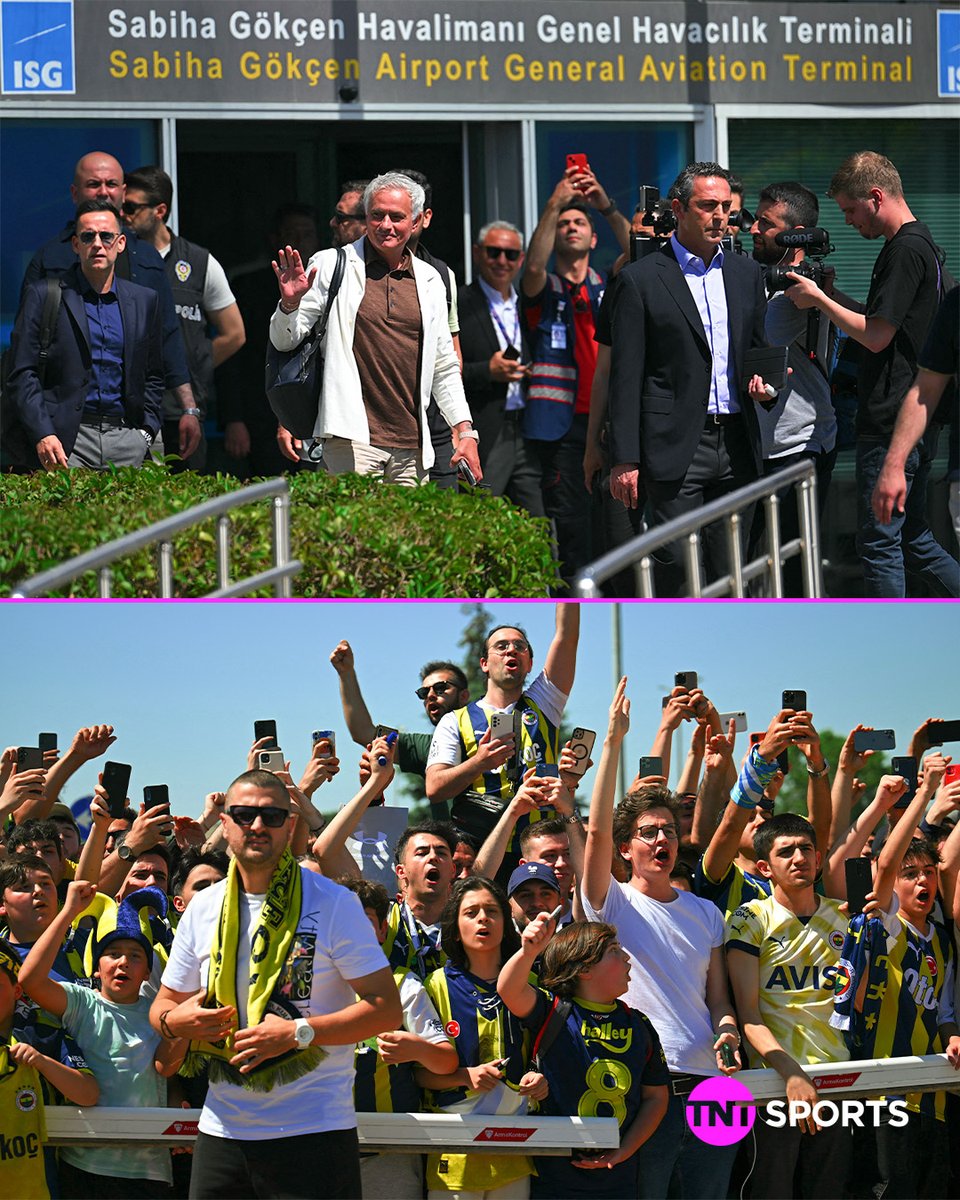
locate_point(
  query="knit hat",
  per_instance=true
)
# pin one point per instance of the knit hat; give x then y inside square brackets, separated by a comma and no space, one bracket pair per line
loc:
[129,920]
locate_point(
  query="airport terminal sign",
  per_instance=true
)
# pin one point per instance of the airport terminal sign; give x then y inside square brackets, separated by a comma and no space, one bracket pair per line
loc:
[445,54]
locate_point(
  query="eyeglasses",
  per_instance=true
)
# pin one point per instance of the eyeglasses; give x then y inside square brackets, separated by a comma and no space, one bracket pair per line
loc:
[89,236]
[245,815]
[518,644]
[441,686]
[494,252]
[339,217]
[648,833]
[131,208]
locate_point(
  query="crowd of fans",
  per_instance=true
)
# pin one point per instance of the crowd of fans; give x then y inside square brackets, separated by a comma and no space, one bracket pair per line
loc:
[533,951]
[605,403]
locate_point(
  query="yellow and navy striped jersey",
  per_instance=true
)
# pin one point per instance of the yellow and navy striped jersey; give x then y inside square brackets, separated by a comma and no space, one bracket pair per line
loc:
[890,992]
[735,888]
[539,739]
[479,1025]
[383,1087]
[408,945]
[799,959]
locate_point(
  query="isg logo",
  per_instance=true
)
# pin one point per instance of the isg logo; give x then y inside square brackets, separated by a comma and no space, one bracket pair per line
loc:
[948,52]
[37,47]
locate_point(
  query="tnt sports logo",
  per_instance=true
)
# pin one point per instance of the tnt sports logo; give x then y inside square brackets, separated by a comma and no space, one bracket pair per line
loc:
[948,53]
[37,47]
[722,1111]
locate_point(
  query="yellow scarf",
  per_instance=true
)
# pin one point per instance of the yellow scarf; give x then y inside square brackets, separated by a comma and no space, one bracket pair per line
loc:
[271,945]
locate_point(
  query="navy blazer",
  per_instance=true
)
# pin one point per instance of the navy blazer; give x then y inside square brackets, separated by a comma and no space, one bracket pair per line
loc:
[478,343]
[33,414]
[661,364]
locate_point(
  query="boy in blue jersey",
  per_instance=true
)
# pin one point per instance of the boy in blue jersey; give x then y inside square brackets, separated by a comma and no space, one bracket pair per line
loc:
[605,1059]
[896,995]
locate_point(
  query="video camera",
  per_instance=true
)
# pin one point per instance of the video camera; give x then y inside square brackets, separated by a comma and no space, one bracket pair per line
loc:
[816,242]
[658,216]
[740,220]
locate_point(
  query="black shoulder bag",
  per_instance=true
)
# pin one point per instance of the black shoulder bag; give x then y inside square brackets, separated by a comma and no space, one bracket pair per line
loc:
[294,377]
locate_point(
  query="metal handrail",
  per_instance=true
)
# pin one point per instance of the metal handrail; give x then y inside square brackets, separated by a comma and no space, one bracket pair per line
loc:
[161,533]
[729,508]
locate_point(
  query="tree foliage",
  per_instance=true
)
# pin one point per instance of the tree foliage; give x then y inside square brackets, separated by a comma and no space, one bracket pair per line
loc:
[793,794]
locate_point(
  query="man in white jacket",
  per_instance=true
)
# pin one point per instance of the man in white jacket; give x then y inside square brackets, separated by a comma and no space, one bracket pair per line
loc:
[387,345]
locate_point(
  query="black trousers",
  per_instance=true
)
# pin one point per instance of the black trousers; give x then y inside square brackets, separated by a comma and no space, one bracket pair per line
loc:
[723,462]
[314,1166]
[792,1164]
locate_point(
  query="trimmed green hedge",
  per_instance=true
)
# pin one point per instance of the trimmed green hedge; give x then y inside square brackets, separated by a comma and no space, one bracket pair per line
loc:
[354,537]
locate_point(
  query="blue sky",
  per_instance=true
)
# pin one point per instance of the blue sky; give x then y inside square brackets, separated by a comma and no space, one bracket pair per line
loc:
[183,682]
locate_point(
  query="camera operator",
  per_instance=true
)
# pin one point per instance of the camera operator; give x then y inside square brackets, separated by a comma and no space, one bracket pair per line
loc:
[907,284]
[801,422]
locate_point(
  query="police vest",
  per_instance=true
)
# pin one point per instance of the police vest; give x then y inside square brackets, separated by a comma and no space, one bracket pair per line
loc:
[380,1087]
[186,268]
[539,740]
[552,394]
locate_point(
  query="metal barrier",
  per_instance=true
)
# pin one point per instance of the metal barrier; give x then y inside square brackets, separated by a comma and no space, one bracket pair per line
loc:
[418,1133]
[161,533]
[729,508]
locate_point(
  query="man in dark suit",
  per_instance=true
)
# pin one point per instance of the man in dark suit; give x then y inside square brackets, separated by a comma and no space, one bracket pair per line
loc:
[684,318]
[97,398]
[496,357]
[98,176]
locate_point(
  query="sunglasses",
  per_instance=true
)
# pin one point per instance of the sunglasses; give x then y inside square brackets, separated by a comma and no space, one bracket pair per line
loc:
[89,236]
[343,218]
[245,815]
[131,208]
[440,687]
[494,252]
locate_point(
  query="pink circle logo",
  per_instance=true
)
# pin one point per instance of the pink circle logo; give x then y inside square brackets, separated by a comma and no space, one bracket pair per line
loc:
[720,1111]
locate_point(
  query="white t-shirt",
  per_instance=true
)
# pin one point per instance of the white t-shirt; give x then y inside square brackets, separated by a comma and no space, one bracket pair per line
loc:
[445,747]
[669,946]
[334,942]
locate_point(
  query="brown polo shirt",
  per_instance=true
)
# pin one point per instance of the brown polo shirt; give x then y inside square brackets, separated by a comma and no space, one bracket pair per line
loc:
[387,345]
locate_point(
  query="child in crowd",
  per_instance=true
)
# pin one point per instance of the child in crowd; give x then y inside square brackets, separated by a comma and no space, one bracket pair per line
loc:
[385,1079]
[129,1060]
[22,1072]
[492,1078]
[600,1057]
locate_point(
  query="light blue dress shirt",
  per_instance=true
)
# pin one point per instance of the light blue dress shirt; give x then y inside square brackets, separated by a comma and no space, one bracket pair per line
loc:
[706,288]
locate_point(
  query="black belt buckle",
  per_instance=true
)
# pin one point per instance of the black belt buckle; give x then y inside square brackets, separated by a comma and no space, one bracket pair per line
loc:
[683,1084]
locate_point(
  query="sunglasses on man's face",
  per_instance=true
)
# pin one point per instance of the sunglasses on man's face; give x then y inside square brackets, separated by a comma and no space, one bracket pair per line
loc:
[89,236]
[245,815]
[494,252]
[343,218]
[441,686]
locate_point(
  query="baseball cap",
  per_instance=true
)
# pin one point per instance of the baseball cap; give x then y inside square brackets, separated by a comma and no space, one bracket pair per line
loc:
[532,870]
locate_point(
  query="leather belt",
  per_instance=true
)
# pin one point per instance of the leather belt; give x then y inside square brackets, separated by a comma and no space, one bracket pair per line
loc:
[105,421]
[682,1084]
[714,419]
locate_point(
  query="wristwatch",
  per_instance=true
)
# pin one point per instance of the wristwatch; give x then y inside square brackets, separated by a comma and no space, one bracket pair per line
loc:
[303,1032]
[573,819]
[609,210]
[125,852]
[819,774]
[191,412]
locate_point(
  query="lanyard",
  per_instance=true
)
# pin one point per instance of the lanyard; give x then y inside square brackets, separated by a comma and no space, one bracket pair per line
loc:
[511,341]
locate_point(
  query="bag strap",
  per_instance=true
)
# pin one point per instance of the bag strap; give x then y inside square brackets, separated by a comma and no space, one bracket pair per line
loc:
[335,281]
[550,1030]
[48,321]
